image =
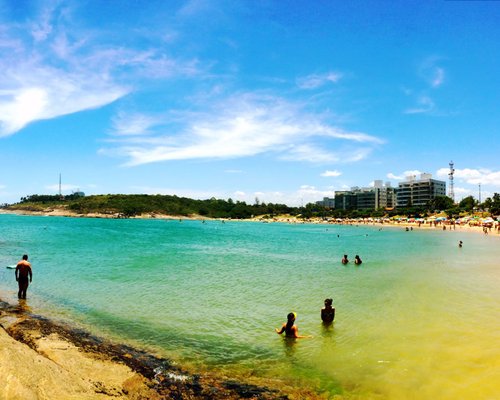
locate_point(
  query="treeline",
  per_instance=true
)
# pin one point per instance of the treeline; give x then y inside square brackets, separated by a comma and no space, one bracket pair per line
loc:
[132,205]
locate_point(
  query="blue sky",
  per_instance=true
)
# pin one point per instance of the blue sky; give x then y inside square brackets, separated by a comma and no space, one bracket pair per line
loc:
[284,101]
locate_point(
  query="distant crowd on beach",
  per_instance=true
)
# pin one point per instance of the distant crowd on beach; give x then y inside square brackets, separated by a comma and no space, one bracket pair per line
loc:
[443,223]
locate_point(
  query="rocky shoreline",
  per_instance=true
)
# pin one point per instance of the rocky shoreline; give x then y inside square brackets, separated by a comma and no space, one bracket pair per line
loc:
[41,358]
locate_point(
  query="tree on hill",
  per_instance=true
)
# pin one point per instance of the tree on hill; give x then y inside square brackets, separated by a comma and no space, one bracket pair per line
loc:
[468,203]
[440,203]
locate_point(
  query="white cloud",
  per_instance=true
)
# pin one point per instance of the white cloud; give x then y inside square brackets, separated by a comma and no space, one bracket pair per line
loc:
[438,78]
[133,124]
[333,173]
[473,176]
[431,72]
[390,175]
[243,126]
[424,105]
[301,196]
[404,175]
[53,69]
[315,81]
[50,95]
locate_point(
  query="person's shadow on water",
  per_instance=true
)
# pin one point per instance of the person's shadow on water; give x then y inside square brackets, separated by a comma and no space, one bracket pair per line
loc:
[290,349]
[327,330]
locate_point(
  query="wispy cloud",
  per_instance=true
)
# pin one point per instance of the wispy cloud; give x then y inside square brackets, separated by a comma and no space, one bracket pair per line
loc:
[424,105]
[432,72]
[242,126]
[48,69]
[133,124]
[315,81]
[473,176]
[438,78]
[434,76]
[300,197]
[333,173]
[404,175]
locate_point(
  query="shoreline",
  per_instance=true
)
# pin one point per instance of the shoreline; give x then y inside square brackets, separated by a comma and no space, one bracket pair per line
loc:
[42,358]
[493,231]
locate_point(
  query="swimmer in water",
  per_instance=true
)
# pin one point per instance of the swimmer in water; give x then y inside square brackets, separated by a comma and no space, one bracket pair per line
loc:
[460,244]
[357,260]
[345,259]
[328,312]
[291,330]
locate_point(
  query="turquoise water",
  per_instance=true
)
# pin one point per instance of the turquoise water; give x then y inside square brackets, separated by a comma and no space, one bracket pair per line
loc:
[418,319]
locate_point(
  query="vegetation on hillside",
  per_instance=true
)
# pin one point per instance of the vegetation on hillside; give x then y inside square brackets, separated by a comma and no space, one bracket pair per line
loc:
[137,204]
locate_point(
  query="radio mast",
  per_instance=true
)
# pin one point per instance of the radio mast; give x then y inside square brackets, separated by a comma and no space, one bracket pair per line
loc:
[451,193]
[60,193]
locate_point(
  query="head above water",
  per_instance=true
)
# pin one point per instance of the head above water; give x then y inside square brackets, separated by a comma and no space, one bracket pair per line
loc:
[328,302]
[25,257]
[291,316]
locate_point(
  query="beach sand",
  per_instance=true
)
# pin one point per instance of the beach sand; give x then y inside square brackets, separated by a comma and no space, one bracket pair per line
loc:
[43,359]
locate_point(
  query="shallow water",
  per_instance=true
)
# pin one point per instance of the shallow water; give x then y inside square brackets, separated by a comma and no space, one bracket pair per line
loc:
[418,319]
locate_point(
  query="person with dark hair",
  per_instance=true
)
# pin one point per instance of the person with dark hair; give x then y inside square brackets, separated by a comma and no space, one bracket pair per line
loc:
[345,260]
[291,330]
[23,271]
[357,260]
[328,312]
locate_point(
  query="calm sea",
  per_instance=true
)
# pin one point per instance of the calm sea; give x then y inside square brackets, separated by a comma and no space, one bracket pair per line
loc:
[418,319]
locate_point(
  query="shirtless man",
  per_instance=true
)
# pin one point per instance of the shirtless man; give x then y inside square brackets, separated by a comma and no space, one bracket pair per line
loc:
[328,312]
[23,271]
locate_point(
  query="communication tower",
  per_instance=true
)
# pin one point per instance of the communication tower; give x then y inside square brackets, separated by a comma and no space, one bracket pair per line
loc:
[451,193]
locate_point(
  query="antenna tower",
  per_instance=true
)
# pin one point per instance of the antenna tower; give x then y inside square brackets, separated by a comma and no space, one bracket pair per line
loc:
[452,191]
[60,193]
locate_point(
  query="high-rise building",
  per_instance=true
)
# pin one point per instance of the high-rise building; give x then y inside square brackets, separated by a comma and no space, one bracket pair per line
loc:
[419,192]
[378,196]
[328,202]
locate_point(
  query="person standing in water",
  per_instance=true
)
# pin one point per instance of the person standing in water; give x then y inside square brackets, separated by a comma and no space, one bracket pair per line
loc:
[328,312]
[23,271]
[357,260]
[291,330]
[344,259]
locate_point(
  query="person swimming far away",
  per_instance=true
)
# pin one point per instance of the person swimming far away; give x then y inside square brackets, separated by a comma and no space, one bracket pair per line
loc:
[357,260]
[328,312]
[345,260]
[291,330]
[460,244]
